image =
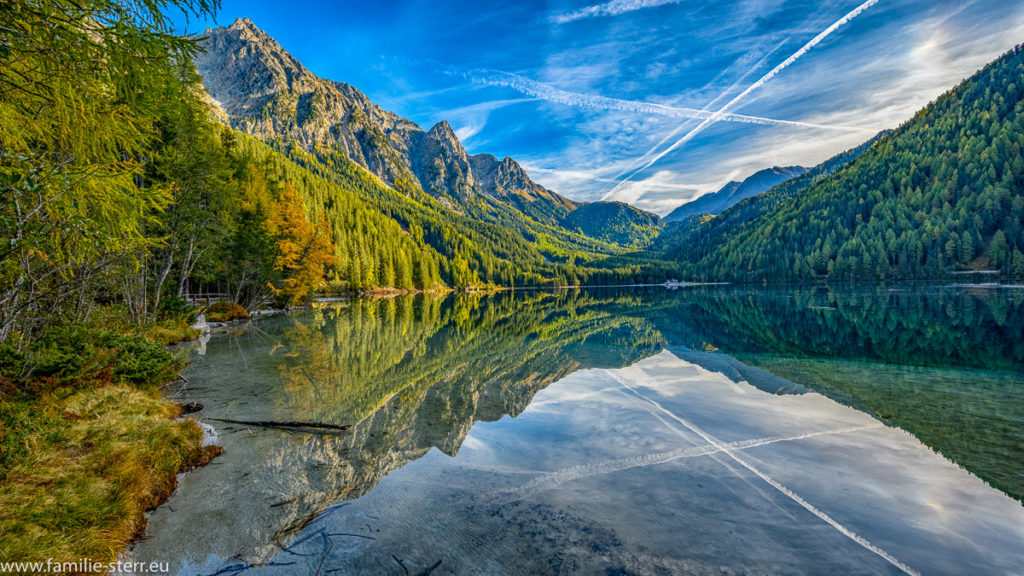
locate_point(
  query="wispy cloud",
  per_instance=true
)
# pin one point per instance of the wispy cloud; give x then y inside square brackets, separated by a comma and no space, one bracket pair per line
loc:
[661,191]
[718,115]
[613,8]
[468,121]
[550,93]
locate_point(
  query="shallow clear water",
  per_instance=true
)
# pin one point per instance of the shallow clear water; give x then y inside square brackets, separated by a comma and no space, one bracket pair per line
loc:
[715,430]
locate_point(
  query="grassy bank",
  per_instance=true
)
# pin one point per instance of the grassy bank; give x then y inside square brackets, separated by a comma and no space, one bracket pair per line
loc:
[88,443]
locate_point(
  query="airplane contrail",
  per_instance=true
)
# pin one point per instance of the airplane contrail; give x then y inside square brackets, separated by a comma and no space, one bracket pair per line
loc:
[589,101]
[717,116]
[678,129]
[612,8]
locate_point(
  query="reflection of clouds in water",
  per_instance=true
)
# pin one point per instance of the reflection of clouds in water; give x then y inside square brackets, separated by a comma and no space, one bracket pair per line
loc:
[729,451]
[552,480]
[666,386]
[608,467]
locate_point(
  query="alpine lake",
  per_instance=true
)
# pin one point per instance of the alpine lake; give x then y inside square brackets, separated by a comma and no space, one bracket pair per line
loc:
[699,430]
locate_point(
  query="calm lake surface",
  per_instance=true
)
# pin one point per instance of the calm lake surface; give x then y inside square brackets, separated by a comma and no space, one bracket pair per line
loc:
[705,430]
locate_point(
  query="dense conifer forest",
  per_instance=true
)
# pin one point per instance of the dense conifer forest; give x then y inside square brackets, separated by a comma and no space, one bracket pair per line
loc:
[940,194]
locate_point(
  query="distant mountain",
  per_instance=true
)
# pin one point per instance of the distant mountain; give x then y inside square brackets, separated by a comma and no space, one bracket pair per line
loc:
[264,91]
[695,236]
[507,181]
[733,192]
[942,193]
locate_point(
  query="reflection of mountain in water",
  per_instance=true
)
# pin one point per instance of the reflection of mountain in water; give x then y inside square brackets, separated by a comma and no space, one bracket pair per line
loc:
[738,372]
[414,373]
[943,364]
[409,373]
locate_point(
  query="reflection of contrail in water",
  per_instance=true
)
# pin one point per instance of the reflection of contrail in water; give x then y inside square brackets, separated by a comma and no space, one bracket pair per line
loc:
[557,478]
[731,453]
[760,82]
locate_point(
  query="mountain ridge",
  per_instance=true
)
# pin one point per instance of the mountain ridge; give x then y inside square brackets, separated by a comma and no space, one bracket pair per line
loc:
[266,92]
[734,192]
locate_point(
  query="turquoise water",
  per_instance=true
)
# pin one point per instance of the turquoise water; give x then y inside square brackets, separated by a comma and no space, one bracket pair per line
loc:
[704,430]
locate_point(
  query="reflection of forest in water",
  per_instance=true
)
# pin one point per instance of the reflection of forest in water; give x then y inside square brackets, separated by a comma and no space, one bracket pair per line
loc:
[408,373]
[946,364]
[415,372]
[341,363]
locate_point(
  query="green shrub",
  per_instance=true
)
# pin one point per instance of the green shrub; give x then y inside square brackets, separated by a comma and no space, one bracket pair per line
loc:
[173,307]
[80,356]
[171,331]
[12,361]
[225,312]
[142,362]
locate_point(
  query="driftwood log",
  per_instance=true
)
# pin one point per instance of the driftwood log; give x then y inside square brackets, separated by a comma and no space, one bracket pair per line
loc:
[285,424]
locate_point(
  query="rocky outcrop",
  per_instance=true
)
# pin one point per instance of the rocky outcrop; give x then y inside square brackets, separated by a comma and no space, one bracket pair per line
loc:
[442,165]
[265,91]
[507,181]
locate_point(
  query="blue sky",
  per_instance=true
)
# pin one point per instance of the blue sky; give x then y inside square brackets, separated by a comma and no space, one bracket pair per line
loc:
[617,100]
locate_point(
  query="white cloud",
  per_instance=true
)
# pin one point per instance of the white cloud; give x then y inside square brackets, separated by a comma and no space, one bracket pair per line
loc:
[468,121]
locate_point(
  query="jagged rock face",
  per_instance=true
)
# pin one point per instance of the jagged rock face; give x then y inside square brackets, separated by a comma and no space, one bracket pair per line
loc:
[264,91]
[442,165]
[506,181]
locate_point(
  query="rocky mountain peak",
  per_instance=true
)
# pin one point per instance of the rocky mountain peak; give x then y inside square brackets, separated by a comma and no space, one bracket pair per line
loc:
[264,91]
[244,23]
[442,131]
[443,165]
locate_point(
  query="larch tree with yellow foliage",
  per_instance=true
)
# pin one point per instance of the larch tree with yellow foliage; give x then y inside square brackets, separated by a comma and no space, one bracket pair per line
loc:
[304,250]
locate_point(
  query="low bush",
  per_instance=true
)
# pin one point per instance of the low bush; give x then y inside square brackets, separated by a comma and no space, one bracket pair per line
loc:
[86,356]
[172,331]
[225,312]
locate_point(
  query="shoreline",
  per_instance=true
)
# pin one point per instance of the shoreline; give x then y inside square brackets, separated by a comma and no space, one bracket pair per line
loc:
[88,454]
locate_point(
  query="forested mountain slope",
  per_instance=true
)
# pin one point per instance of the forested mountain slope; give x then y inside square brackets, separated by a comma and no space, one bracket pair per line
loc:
[262,90]
[615,222]
[693,238]
[942,193]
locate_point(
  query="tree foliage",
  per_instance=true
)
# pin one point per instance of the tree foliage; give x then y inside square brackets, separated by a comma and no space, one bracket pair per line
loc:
[75,128]
[304,250]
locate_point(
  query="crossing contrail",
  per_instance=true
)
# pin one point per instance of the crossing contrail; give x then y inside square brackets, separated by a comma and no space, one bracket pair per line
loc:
[724,110]
[732,453]
[550,93]
[678,129]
